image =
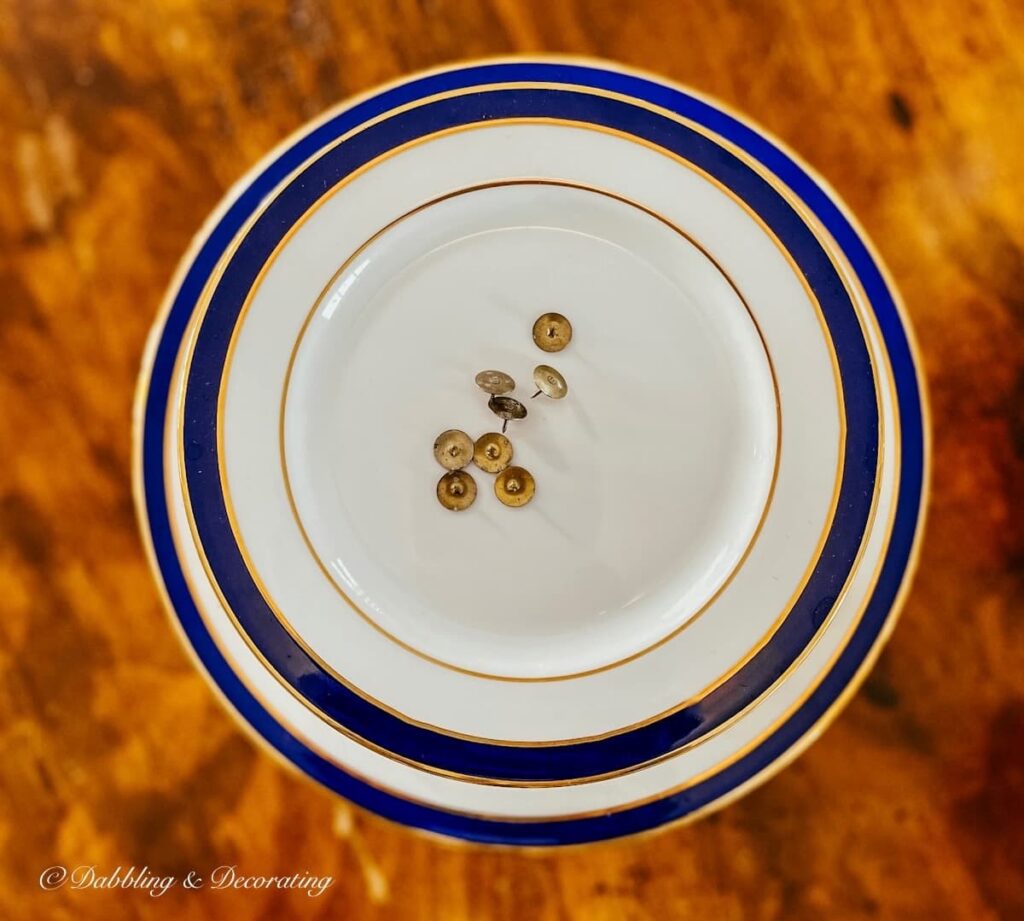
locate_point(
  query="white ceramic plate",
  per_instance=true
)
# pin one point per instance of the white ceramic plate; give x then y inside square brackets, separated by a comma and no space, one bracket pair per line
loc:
[727,500]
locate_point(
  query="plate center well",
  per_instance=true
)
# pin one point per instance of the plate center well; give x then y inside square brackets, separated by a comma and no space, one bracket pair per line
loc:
[652,475]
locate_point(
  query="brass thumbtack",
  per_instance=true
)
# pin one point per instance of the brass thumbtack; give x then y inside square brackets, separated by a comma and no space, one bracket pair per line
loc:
[495,382]
[549,382]
[492,452]
[456,490]
[552,332]
[506,408]
[514,486]
[453,449]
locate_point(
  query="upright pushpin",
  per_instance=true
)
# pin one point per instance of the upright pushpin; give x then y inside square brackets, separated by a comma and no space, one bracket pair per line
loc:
[550,382]
[453,449]
[552,332]
[495,382]
[514,486]
[506,408]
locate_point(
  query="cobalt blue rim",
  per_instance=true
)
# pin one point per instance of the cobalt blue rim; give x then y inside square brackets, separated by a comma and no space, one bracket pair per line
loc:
[476,758]
[671,807]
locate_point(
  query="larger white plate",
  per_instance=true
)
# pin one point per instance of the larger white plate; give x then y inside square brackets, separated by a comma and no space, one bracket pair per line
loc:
[723,499]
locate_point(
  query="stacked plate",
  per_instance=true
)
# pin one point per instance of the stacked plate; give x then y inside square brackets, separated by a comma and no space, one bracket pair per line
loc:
[727,502]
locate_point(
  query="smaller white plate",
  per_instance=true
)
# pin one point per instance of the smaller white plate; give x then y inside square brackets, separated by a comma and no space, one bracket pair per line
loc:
[653,474]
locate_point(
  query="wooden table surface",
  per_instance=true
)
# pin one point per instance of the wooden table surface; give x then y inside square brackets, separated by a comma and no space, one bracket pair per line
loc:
[122,126]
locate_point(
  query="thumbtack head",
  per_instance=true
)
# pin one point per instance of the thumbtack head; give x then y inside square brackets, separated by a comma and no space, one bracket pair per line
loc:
[495,382]
[506,408]
[514,486]
[550,382]
[552,332]
[492,452]
[456,490]
[453,449]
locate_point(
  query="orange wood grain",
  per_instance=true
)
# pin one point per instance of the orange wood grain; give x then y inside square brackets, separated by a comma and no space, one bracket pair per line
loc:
[123,124]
